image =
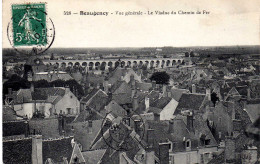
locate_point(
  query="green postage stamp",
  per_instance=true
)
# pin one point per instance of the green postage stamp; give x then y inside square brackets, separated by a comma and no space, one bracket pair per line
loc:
[29,24]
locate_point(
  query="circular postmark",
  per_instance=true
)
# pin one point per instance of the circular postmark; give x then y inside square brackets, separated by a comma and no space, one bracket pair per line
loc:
[30,29]
[122,133]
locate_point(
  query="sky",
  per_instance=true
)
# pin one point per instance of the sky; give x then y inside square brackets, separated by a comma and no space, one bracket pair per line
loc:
[233,22]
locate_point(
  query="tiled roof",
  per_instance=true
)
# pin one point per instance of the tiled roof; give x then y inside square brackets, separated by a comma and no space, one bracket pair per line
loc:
[201,126]
[95,79]
[52,77]
[154,110]
[242,90]
[25,95]
[9,114]
[83,133]
[57,149]
[86,115]
[190,101]
[93,157]
[49,127]
[110,156]
[77,76]
[17,151]
[98,101]
[116,85]
[143,86]
[161,134]
[89,96]
[116,109]
[176,93]
[161,103]
[14,128]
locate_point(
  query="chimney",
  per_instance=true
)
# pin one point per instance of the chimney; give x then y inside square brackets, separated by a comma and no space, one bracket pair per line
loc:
[190,120]
[61,123]
[150,157]
[248,93]
[137,126]
[67,89]
[171,126]
[164,153]
[110,96]
[105,85]
[32,87]
[193,88]
[90,125]
[37,149]
[154,85]
[150,137]
[169,93]
[132,80]
[9,91]
[133,93]
[147,103]
[122,78]
[233,111]
[135,103]
[208,94]
[229,149]
[156,116]
[27,130]
[164,88]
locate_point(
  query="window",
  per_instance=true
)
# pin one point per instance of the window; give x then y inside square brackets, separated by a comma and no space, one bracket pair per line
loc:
[41,108]
[207,141]
[69,110]
[187,144]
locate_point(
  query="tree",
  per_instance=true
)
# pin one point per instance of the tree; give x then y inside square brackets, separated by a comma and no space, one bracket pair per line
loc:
[16,83]
[192,54]
[186,54]
[41,84]
[52,57]
[160,77]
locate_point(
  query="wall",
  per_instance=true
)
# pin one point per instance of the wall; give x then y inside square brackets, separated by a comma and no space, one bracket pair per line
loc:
[24,109]
[47,107]
[249,156]
[190,157]
[69,100]
[203,151]
[168,110]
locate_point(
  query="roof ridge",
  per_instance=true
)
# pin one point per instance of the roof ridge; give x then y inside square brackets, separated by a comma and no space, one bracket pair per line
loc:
[14,121]
[59,138]
[16,139]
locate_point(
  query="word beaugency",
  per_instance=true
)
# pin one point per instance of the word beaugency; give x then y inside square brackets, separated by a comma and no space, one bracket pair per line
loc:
[94,13]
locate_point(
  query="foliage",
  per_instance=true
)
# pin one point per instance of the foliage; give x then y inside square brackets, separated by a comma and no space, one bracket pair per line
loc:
[160,77]
[16,83]
[192,54]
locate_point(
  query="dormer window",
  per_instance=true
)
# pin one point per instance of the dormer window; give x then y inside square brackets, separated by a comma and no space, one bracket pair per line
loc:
[188,144]
[75,159]
[207,141]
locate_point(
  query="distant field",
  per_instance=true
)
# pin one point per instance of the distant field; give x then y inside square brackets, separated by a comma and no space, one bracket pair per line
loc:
[222,50]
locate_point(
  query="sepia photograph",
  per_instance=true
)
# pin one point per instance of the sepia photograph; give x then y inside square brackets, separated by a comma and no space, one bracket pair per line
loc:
[130,82]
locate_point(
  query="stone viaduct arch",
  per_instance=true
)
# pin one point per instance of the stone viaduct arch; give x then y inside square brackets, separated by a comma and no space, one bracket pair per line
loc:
[105,64]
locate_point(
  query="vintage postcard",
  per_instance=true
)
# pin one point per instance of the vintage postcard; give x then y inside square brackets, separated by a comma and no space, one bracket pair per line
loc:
[130,82]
